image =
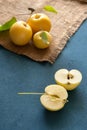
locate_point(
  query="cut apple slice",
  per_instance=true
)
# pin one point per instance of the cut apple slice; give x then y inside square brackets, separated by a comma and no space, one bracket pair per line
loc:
[68,79]
[56,90]
[54,98]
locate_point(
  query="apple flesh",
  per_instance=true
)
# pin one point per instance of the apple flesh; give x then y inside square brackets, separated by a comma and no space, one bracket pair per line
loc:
[20,33]
[68,79]
[54,98]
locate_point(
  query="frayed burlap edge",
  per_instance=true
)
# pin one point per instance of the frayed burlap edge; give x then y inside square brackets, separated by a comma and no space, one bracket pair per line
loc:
[57,49]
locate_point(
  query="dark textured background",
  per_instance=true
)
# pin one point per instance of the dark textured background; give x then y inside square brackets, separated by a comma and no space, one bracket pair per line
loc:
[18,73]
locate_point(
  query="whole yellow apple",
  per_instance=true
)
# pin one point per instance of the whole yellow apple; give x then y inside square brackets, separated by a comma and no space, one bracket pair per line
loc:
[20,33]
[42,39]
[39,21]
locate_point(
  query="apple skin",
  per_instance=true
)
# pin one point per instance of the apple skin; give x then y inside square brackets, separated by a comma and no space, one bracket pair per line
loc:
[39,21]
[68,79]
[39,42]
[20,33]
[68,86]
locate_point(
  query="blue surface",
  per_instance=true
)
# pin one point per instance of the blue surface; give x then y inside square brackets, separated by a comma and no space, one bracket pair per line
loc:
[18,73]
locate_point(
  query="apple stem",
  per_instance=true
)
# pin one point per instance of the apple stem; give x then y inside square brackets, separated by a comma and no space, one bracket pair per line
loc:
[23,14]
[31,11]
[65,100]
[30,93]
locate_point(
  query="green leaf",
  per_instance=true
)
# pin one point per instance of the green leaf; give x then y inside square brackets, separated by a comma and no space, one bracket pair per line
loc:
[50,9]
[44,37]
[8,24]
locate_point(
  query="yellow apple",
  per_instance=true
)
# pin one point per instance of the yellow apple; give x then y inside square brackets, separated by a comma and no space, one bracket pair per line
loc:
[54,98]
[39,21]
[20,33]
[42,39]
[68,79]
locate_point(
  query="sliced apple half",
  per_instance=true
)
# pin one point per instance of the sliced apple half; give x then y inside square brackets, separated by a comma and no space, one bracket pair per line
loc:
[54,98]
[68,79]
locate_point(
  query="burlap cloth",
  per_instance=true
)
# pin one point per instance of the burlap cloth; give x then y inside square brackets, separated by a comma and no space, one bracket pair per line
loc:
[64,24]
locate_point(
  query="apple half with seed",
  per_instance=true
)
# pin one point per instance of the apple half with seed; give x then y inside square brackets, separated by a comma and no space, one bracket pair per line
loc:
[68,79]
[54,98]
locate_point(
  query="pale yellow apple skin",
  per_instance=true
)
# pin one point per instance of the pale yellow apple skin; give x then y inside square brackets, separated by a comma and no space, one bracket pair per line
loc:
[20,33]
[39,42]
[39,21]
[54,98]
[68,86]
[68,83]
